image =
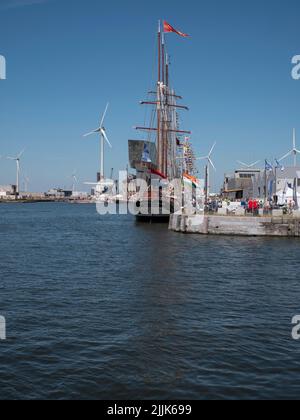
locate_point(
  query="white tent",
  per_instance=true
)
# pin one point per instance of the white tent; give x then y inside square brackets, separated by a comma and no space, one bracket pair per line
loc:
[287,195]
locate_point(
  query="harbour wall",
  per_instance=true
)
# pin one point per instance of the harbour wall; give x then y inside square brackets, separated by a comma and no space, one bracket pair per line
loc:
[282,226]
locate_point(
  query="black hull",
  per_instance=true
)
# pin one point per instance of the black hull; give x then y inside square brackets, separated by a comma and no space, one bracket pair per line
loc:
[163,207]
[153,218]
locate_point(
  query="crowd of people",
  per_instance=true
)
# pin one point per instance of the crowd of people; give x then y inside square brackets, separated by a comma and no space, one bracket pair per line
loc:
[252,206]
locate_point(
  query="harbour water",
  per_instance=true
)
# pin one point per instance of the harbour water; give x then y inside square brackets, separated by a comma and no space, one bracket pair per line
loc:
[99,307]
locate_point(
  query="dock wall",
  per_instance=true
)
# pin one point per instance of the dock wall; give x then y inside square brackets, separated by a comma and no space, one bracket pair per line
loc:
[284,226]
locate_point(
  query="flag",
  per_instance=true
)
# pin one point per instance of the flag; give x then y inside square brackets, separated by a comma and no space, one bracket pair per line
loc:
[268,166]
[168,28]
[295,194]
[271,187]
[279,166]
[146,154]
[155,172]
[191,180]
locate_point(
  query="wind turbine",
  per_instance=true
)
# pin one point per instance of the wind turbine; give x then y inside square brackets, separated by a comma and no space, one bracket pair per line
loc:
[26,183]
[103,138]
[17,160]
[75,181]
[209,164]
[294,150]
[249,166]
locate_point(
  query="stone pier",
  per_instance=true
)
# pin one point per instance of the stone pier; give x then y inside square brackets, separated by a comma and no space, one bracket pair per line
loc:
[280,226]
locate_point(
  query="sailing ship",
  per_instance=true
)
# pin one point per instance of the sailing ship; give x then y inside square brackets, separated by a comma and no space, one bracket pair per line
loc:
[166,152]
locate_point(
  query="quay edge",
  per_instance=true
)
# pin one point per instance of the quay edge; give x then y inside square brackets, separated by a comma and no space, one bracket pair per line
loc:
[278,226]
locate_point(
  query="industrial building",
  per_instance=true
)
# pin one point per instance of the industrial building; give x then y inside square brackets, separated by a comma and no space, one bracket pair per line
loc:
[8,192]
[59,193]
[242,184]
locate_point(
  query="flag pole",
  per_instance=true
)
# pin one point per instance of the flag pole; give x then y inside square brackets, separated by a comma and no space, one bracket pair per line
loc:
[159,51]
[159,154]
[167,70]
[163,57]
[266,182]
[276,167]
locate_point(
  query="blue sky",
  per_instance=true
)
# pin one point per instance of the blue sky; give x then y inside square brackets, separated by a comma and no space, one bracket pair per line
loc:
[67,58]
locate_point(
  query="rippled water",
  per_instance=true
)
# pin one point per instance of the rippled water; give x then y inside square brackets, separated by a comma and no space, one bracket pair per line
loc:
[99,307]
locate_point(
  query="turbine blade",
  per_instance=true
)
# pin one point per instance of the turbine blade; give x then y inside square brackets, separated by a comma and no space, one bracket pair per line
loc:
[212,149]
[242,163]
[104,115]
[105,136]
[21,154]
[92,132]
[212,164]
[287,155]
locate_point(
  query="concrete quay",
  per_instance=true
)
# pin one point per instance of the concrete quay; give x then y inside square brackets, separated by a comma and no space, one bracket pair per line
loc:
[278,226]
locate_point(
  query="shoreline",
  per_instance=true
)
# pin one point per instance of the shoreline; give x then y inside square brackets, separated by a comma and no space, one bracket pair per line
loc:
[33,201]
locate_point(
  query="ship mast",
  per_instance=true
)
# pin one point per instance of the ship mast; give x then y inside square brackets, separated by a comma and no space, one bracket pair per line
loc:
[167,129]
[159,139]
[162,106]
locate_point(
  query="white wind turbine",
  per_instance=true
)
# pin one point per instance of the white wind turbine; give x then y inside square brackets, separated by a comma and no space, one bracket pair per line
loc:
[103,137]
[26,183]
[75,181]
[209,164]
[17,160]
[294,150]
[248,166]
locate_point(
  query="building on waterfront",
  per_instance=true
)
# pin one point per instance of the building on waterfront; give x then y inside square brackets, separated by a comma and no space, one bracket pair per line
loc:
[8,191]
[285,178]
[258,183]
[80,195]
[242,184]
[59,193]
[32,196]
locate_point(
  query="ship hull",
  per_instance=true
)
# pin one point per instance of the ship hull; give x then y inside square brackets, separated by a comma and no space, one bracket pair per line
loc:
[152,218]
[154,211]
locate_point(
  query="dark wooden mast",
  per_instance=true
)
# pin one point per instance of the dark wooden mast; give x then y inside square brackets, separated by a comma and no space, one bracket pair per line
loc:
[165,105]
[159,139]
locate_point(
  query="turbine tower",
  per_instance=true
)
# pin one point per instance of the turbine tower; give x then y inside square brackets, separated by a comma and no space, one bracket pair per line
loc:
[17,160]
[103,138]
[75,181]
[26,183]
[209,164]
[294,152]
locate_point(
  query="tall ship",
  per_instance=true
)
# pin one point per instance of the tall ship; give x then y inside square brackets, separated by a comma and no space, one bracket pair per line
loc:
[165,154]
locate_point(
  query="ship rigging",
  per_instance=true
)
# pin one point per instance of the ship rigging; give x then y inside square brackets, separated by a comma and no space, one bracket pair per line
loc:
[170,156]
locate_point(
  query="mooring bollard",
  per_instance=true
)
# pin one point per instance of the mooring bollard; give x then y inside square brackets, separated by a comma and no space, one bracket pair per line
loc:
[2,328]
